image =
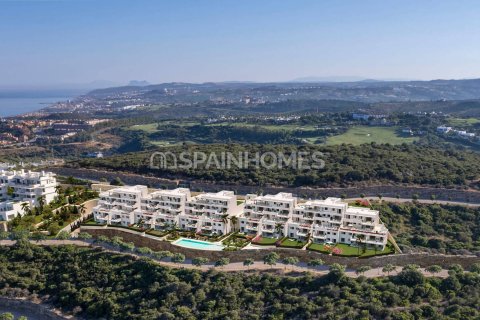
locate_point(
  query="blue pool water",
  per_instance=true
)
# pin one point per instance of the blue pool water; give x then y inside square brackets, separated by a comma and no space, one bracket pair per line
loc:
[197,244]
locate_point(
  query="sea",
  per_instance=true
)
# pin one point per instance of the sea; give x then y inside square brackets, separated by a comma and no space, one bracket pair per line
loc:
[13,103]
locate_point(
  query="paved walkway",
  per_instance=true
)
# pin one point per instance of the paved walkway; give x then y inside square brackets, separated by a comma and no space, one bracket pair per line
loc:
[232,267]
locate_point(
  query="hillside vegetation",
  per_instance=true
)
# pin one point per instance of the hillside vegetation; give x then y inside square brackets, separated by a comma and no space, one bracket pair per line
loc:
[95,284]
[344,165]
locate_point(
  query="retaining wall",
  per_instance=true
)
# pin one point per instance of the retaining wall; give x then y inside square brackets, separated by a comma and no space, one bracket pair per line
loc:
[422,259]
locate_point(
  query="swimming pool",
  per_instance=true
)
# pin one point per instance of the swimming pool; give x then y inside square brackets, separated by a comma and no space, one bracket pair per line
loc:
[197,244]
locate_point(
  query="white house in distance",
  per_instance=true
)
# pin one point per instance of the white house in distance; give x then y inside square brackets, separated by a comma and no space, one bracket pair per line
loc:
[267,215]
[210,212]
[18,187]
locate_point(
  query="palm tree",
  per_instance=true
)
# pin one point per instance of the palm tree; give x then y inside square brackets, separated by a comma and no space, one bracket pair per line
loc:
[225,218]
[82,208]
[359,240]
[58,189]
[234,221]
[279,228]
[41,202]
[26,208]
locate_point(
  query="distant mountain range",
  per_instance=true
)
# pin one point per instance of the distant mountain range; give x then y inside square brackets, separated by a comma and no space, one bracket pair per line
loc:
[342,79]
[364,90]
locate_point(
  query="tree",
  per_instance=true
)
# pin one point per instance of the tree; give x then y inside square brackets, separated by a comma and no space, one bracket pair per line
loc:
[434,269]
[84,235]
[222,262]
[336,271]
[144,250]
[271,259]
[234,221]
[290,261]
[359,239]
[58,189]
[455,269]
[127,246]
[26,208]
[199,261]
[315,263]
[10,191]
[82,208]
[162,254]
[117,182]
[7,316]
[178,258]
[63,235]
[38,236]
[4,235]
[224,218]
[475,268]
[41,203]
[389,268]
[279,228]
[361,270]
[248,262]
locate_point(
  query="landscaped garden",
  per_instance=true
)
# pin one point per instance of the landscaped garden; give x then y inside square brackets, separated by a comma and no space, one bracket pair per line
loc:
[292,243]
[345,250]
[264,241]
[235,242]
[51,218]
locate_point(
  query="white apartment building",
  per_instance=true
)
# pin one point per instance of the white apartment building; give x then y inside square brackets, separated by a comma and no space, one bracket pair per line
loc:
[333,221]
[18,187]
[330,220]
[210,212]
[161,210]
[267,215]
[117,206]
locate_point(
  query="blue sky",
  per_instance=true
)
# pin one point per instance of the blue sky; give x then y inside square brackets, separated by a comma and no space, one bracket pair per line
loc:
[76,41]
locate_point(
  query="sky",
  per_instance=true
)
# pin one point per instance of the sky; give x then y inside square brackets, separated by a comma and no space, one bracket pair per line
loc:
[50,42]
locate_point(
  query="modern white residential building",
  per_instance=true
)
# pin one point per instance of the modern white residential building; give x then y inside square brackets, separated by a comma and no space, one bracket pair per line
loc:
[267,215]
[210,213]
[18,187]
[117,206]
[333,221]
[161,210]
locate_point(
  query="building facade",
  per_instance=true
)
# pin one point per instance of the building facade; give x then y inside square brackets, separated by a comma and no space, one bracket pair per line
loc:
[281,215]
[19,187]
[267,215]
[210,213]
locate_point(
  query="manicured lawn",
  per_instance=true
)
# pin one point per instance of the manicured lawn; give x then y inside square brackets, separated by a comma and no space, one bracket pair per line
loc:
[465,122]
[350,251]
[92,223]
[291,243]
[319,247]
[347,250]
[148,128]
[364,134]
[266,241]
